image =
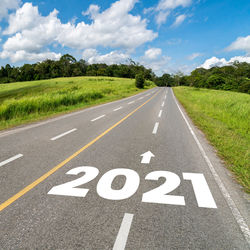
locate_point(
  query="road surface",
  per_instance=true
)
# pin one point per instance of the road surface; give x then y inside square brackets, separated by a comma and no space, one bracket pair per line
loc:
[131,174]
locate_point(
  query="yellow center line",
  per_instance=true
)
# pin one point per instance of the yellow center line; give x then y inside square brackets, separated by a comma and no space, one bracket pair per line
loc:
[54,169]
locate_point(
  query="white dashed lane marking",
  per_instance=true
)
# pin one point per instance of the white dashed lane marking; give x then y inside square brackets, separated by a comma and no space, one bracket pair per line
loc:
[155,128]
[10,160]
[117,109]
[63,134]
[97,118]
[121,239]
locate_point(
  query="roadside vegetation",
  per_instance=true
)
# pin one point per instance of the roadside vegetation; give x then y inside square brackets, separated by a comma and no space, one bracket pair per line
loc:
[235,77]
[224,117]
[23,102]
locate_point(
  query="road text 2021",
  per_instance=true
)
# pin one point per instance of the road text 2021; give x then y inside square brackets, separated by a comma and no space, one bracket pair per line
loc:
[158,195]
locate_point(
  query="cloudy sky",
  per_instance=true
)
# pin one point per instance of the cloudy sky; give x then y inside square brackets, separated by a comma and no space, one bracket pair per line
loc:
[165,35]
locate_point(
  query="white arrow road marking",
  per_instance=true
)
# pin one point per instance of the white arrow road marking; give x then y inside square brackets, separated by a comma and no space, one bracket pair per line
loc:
[10,159]
[121,239]
[146,157]
[97,118]
[63,134]
[160,113]
[117,109]
[155,128]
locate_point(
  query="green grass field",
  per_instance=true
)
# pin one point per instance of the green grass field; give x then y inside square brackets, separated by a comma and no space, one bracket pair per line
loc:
[224,117]
[24,102]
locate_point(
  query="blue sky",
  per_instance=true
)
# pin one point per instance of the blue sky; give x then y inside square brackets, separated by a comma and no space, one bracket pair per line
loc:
[165,35]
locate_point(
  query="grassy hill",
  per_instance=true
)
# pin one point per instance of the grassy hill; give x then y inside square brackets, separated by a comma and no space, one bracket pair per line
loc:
[23,102]
[224,118]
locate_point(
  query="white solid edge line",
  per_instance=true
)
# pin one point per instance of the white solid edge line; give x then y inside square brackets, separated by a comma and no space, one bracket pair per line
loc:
[155,128]
[10,159]
[97,118]
[117,108]
[63,134]
[160,113]
[121,239]
[236,213]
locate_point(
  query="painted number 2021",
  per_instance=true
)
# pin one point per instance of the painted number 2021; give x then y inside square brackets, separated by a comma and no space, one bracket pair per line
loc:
[159,195]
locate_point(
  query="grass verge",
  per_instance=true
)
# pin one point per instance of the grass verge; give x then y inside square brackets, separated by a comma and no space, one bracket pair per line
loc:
[24,102]
[224,117]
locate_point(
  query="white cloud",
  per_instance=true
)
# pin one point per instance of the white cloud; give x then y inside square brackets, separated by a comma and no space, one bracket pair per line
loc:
[113,28]
[22,55]
[179,20]
[172,4]
[152,53]
[34,32]
[24,18]
[162,17]
[114,57]
[6,5]
[216,62]
[164,8]
[194,55]
[154,59]
[92,11]
[241,43]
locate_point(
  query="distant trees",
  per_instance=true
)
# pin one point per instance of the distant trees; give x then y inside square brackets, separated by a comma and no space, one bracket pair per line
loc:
[68,66]
[235,77]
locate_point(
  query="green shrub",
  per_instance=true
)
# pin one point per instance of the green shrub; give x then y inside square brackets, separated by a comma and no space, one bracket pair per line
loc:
[139,81]
[245,86]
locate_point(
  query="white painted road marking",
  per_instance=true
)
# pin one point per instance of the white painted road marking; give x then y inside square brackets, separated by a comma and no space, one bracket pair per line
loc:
[201,190]
[236,213]
[160,113]
[146,157]
[147,94]
[97,118]
[163,103]
[117,109]
[121,239]
[63,134]
[10,159]
[141,98]
[155,128]
[131,102]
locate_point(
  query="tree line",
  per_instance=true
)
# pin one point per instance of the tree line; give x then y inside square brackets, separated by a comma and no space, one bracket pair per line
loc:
[68,66]
[235,77]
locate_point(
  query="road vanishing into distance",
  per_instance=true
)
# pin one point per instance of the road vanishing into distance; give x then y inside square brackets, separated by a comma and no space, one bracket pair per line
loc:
[131,174]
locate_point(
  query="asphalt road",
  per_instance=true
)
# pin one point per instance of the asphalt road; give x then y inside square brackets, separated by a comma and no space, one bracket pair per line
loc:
[179,196]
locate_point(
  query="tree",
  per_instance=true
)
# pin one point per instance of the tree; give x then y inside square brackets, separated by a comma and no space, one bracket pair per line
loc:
[139,81]
[215,81]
